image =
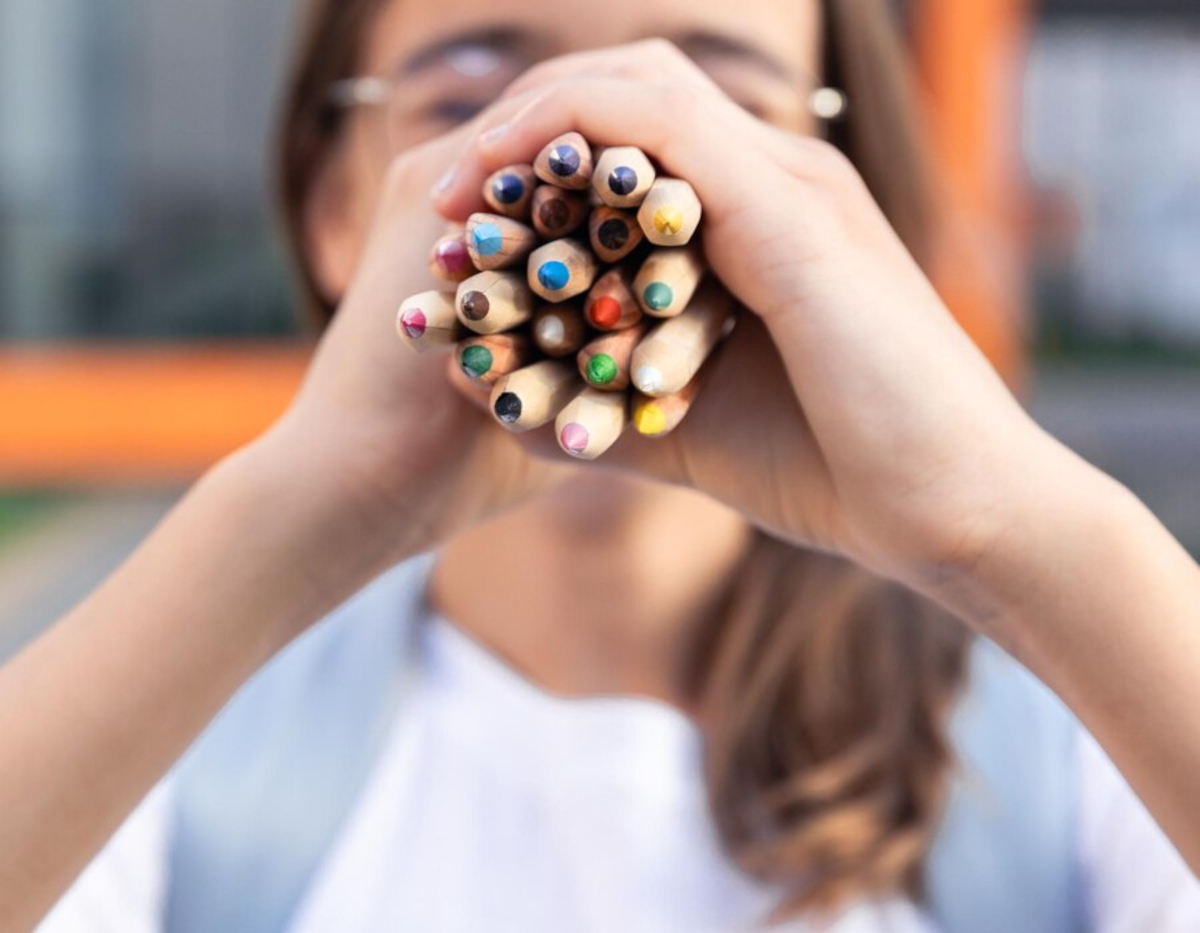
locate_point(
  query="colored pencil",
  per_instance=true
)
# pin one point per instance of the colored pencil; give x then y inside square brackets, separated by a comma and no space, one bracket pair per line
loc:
[509,191]
[559,330]
[614,233]
[566,162]
[671,213]
[670,356]
[533,396]
[497,242]
[561,270]
[450,260]
[610,305]
[592,422]
[667,280]
[557,211]
[658,417]
[486,359]
[623,176]
[491,302]
[428,321]
[604,363]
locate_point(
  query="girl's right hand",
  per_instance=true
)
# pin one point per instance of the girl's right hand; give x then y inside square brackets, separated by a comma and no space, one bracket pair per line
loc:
[375,428]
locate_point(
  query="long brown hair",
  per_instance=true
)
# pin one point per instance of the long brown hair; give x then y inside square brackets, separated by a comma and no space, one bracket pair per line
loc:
[824,692]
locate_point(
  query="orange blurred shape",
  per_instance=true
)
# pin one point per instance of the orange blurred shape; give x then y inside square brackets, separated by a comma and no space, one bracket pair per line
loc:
[970,56]
[164,414]
[132,414]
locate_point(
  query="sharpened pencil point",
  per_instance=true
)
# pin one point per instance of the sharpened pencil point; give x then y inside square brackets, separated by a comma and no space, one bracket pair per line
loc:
[488,239]
[476,306]
[508,189]
[648,378]
[476,361]
[554,275]
[574,438]
[508,408]
[623,180]
[564,161]
[658,295]
[601,369]
[649,419]
[414,323]
[668,220]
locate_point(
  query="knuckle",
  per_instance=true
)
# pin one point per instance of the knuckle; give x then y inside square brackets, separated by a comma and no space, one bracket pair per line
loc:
[532,77]
[662,50]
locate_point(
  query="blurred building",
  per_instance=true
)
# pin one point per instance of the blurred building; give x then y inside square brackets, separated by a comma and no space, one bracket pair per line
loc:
[1112,140]
[132,167]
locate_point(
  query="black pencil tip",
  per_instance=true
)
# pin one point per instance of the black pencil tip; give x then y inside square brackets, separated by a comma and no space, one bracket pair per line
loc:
[508,407]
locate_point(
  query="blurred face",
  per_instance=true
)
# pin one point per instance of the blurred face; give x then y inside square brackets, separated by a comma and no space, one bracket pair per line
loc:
[451,60]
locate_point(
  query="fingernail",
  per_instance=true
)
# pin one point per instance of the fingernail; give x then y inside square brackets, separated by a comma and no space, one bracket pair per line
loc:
[495,133]
[446,182]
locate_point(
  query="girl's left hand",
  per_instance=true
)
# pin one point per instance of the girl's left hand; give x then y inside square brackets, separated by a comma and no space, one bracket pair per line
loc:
[853,414]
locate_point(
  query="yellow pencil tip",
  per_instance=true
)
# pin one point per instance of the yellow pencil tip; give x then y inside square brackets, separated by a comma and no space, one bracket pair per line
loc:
[668,220]
[649,419]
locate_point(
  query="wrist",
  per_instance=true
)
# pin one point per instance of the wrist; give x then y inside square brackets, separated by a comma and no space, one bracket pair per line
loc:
[1065,522]
[305,523]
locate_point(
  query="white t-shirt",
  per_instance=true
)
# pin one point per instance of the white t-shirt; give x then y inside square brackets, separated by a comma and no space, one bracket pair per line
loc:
[497,807]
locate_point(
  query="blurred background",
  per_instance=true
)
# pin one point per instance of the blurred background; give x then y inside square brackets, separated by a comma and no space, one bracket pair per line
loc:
[145,323]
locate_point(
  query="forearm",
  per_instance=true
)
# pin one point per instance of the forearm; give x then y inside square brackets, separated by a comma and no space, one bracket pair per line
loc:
[96,711]
[1095,596]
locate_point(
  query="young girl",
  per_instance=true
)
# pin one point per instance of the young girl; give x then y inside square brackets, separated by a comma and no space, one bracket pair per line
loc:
[691,691]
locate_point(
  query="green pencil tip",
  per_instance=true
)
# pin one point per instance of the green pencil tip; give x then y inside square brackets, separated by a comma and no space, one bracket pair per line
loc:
[476,361]
[601,369]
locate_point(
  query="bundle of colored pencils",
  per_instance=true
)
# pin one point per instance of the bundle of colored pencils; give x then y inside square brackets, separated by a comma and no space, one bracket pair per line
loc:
[585,254]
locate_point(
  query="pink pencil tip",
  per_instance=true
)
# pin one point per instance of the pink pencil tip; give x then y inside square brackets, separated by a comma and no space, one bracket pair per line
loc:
[574,438]
[414,323]
[452,256]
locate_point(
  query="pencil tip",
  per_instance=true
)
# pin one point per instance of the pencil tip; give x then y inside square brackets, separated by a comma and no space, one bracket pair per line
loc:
[658,296]
[475,306]
[476,361]
[574,438]
[508,407]
[413,323]
[649,379]
[554,275]
[649,419]
[601,369]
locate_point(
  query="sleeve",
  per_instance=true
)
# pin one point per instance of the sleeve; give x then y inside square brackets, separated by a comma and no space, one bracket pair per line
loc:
[1133,878]
[124,887]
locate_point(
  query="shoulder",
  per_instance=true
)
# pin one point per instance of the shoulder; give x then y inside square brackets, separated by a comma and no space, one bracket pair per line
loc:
[265,789]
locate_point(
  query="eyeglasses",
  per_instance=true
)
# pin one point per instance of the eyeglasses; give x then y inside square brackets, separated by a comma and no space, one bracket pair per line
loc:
[414,111]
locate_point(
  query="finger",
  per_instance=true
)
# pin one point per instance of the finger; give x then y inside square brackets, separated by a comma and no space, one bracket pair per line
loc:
[649,59]
[680,125]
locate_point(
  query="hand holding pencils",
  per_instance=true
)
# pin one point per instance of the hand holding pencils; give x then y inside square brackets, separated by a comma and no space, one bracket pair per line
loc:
[556,301]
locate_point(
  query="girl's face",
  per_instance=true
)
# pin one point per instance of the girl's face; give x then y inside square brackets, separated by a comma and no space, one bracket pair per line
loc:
[451,60]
